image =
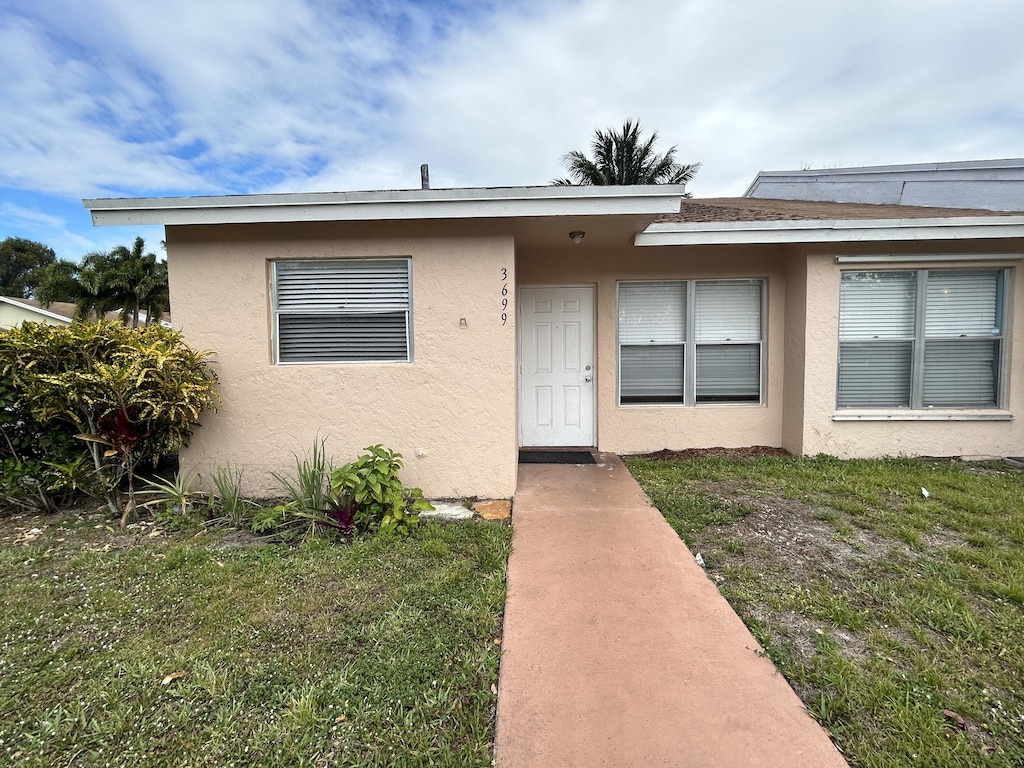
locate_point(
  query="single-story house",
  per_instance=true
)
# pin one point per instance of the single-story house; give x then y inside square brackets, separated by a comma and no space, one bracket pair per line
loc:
[15,310]
[459,325]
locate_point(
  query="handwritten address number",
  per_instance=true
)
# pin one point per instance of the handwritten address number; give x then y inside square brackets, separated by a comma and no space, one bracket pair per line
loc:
[504,295]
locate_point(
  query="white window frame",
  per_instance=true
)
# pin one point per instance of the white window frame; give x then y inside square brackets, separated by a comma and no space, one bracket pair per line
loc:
[918,338]
[690,345]
[361,305]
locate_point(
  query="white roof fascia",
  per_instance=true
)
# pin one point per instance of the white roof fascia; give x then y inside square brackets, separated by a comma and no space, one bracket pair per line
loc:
[839,231]
[463,203]
[37,310]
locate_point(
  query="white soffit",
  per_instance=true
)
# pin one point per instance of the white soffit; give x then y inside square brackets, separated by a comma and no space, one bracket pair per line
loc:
[462,203]
[834,231]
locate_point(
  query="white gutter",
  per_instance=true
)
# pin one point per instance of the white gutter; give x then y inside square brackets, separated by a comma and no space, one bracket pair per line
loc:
[462,203]
[830,231]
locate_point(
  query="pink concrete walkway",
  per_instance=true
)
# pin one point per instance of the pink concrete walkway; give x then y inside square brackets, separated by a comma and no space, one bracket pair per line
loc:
[618,651]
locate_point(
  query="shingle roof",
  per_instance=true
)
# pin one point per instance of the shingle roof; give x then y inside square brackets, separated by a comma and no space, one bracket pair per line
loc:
[732,209]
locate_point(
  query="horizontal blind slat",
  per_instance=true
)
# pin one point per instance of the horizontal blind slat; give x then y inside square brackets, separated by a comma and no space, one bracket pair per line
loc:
[962,303]
[342,310]
[877,305]
[651,373]
[652,312]
[727,310]
[960,373]
[728,372]
[874,374]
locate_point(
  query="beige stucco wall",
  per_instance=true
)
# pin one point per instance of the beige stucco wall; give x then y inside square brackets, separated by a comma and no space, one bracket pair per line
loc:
[11,316]
[903,432]
[451,412]
[638,428]
[795,353]
[802,354]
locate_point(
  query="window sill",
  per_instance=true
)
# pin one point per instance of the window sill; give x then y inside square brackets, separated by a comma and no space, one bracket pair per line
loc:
[935,414]
[692,405]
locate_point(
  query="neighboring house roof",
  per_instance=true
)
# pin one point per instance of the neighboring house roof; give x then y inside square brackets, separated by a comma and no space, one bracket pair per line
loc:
[996,185]
[58,310]
[753,220]
[64,311]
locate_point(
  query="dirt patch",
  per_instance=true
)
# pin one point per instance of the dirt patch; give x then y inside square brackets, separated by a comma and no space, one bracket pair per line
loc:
[752,451]
[240,540]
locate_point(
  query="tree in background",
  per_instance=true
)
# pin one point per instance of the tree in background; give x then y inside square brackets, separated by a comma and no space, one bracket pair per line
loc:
[137,282]
[624,158]
[125,280]
[21,262]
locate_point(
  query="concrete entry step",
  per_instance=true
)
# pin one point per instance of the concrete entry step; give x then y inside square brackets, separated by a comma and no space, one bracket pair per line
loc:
[618,651]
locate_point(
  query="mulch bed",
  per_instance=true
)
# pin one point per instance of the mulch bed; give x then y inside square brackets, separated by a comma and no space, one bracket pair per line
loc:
[749,452]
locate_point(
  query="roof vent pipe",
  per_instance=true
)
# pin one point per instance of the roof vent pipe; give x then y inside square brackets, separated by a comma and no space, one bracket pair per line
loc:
[424,176]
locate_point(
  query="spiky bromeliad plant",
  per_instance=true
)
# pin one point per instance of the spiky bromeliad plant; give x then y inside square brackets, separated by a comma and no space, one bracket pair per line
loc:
[130,394]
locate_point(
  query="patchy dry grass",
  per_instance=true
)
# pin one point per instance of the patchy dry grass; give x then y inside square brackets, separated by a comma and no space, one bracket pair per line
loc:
[174,651]
[898,619]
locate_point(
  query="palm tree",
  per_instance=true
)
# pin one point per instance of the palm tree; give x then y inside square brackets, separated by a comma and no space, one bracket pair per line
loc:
[624,158]
[126,280]
[137,283]
[94,297]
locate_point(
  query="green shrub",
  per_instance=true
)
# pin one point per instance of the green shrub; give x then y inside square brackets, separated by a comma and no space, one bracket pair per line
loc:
[371,489]
[26,447]
[130,394]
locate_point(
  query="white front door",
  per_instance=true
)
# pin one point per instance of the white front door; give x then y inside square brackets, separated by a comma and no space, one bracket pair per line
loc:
[556,366]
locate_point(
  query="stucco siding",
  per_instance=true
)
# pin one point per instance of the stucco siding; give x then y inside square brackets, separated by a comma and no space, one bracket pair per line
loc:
[640,428]
[928,432]
[795,353]
[450,412]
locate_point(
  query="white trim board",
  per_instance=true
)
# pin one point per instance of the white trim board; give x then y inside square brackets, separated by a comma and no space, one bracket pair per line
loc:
[469,203]
[831,231]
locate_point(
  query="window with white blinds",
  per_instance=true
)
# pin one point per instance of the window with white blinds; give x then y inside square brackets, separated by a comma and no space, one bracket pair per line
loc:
[690,341]
[920,339]
[342,311]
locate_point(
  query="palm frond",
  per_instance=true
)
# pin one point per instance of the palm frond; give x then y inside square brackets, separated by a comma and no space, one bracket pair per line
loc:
[623,157]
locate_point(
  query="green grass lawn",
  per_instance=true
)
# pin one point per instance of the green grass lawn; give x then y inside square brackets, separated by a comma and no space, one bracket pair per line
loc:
[898,618]
[173,651]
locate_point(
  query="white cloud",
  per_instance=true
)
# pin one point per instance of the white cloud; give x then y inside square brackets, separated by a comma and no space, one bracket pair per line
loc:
[220,96]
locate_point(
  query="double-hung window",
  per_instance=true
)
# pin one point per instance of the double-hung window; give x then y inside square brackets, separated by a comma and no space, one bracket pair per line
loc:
[920,339]
[342,311]
[689,342]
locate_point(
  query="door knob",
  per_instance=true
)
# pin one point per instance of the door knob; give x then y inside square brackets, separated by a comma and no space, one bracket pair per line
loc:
[587,378]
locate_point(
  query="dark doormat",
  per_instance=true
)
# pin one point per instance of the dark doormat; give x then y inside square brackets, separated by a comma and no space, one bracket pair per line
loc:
[556,457]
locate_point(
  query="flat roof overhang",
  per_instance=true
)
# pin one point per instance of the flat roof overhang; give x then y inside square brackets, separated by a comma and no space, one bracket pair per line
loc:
[390,205]
[831,231]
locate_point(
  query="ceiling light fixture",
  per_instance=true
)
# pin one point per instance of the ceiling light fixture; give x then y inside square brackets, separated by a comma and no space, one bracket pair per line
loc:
[577,236]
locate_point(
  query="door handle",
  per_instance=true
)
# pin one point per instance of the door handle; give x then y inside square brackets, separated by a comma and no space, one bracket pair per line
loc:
[587,378]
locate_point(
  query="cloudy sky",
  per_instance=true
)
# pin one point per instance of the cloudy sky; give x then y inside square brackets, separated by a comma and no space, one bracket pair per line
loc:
[131,98]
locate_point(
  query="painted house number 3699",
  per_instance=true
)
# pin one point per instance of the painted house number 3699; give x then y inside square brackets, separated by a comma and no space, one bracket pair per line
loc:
[504,295]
